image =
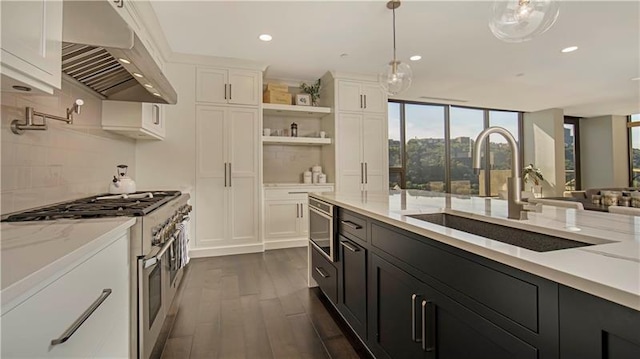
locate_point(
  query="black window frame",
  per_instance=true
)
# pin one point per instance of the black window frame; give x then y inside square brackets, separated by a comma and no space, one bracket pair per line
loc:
[575,122]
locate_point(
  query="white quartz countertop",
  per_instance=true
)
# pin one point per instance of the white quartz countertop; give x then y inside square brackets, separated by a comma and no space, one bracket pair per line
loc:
[609,269]
[36,253]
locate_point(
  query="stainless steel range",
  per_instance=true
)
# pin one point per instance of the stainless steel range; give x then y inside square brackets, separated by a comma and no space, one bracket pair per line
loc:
[158,246]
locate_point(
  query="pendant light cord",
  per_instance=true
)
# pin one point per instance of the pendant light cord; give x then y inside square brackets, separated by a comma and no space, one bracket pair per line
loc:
[394,33]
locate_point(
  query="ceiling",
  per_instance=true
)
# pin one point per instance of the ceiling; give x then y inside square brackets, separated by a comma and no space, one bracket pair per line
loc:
[461,59]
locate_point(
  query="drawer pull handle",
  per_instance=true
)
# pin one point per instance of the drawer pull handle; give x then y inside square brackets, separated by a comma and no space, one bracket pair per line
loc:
[299,192]
[87,313]
[321,272]
[431,345]
[414,335]
[351,224]
[348,246]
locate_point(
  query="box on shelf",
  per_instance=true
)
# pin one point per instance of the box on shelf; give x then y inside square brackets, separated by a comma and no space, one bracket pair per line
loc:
[283,98]
[277,87]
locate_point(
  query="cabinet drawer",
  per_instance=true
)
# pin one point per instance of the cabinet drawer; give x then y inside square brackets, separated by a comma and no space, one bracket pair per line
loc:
[325,274]
[514,298]
[28,329]
[294,193]
[352,224]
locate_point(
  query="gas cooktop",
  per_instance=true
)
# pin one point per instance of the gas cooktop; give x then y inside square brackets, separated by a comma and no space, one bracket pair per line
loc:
[107,205]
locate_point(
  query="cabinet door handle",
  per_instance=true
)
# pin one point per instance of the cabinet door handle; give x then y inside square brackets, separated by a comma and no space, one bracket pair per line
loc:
[87,313]
[321,272]
[431,345]
[351,224]
[225,91]
[230,93]
[297,210]
[414,329]
[225,174]
[299,192]
[365,101]
[301,210]
[119,3]
[230,184]
[348,246]
[361,173]
[366,173]
[361,101]
[156,114]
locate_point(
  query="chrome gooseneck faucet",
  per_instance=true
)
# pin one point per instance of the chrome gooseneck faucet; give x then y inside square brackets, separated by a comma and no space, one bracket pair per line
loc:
[514,201]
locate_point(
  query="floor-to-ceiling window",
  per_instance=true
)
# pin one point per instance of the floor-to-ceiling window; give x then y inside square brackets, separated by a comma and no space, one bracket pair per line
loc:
[634,150]
[571,153]
[436,142]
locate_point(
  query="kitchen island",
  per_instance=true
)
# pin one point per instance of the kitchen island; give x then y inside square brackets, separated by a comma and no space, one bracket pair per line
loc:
[516,303]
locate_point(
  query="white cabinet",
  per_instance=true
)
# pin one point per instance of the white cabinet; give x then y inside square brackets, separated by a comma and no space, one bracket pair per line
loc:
[134,119]
[286,212]
[358,96]
[361,141]
[227,165]
[31,44]
[361,160]
[102,280]
[228,86]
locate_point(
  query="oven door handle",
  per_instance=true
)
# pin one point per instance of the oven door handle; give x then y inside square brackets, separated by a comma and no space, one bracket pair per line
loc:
[149,261]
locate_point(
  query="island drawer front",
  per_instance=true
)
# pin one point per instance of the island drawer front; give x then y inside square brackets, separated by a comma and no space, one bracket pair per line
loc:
[353,225]
[325,274]
[503,293]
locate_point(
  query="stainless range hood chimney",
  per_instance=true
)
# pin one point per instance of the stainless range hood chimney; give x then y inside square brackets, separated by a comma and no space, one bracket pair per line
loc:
[103,53]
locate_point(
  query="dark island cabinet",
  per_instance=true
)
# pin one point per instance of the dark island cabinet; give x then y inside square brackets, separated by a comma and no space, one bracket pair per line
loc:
[410,319]
[352,290]
[594,328]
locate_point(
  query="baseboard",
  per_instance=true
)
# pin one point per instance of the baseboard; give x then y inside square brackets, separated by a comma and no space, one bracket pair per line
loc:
[285,243]
[226,250]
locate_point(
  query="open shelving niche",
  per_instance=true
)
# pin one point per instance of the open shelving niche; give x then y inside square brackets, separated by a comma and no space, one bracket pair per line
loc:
[291,111]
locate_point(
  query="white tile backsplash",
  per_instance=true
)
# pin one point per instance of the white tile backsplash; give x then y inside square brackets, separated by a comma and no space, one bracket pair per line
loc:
[64,162]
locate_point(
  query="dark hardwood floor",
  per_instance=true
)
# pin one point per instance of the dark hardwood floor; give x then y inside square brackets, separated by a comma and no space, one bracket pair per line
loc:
[253,306]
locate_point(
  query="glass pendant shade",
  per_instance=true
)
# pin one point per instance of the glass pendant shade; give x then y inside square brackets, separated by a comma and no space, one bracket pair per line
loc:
[396,77]
[522,20]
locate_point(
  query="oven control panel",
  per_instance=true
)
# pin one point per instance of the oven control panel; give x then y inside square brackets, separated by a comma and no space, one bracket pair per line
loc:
[170,227]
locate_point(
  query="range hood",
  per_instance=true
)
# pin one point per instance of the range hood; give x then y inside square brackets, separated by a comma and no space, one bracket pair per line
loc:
[103,53]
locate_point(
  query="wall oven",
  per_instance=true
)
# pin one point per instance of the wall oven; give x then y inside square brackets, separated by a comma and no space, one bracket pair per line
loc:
[322,227]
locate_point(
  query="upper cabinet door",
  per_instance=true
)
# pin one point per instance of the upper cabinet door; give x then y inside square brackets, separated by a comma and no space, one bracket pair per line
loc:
[375,99]
[211,85]
[244,87]
[31,43]
[349,96]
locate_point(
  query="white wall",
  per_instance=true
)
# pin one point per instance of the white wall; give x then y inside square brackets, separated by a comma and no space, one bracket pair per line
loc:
[64,162]
[544,147]
[604,150]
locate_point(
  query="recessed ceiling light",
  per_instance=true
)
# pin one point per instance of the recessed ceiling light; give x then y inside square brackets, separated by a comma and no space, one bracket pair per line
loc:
[137,75]
[124,61]
[570,49]
[415,58]
[343,55]
[149,86]
[265,37]
[156,94]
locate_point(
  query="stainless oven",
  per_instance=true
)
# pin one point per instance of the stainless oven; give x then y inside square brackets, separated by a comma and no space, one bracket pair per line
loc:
[153,302]
[322,228]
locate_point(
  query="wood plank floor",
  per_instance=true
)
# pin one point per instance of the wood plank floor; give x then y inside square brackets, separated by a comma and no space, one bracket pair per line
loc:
[253,306]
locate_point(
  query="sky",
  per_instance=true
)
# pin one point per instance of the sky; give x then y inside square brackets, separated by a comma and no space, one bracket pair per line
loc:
[427,121]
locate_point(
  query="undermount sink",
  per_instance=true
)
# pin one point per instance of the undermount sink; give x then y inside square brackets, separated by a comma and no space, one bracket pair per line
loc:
[538,242]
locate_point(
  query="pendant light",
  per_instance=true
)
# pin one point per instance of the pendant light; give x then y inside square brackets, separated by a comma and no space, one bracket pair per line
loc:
[522,20]
[396,77]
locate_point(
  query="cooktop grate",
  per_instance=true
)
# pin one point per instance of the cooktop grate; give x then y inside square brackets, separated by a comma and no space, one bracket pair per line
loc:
[97,207]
